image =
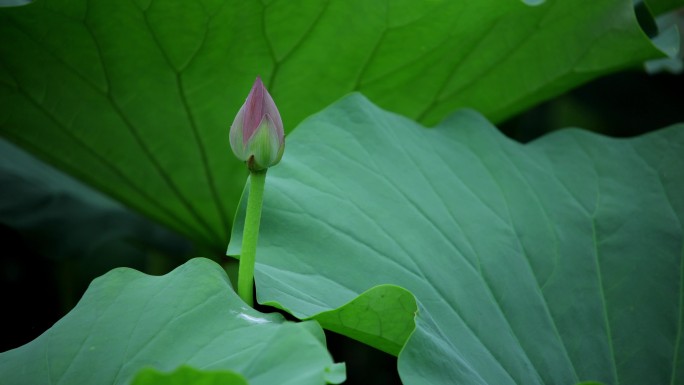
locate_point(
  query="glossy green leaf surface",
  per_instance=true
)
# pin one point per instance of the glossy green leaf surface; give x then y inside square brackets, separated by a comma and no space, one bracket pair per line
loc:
[136,97]
[382,317]
[186,375]
[555,262]
[128,321]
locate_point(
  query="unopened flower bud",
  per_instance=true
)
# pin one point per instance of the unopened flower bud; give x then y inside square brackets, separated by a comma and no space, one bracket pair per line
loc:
[257,136]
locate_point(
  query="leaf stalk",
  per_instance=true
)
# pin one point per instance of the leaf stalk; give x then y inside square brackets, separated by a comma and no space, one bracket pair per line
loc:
[250,236]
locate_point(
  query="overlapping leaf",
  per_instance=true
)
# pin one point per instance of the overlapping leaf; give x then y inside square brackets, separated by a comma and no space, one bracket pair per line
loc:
[128,321]
[186,375]
[556,262]
[136,97]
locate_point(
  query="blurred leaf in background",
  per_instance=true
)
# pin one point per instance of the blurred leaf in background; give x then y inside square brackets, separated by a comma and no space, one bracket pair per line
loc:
[61,233]
[14,3]
[623,104]
[69,220]
[658,7]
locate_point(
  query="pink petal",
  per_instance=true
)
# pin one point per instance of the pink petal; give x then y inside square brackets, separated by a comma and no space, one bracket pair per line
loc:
[254,110]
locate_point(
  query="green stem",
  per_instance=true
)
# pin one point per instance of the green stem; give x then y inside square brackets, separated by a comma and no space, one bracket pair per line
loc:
[250,235]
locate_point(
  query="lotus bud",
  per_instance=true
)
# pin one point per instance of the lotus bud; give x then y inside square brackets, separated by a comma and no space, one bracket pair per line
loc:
[256,135]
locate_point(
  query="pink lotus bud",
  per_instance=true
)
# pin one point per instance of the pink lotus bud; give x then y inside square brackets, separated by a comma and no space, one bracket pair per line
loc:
[257,135]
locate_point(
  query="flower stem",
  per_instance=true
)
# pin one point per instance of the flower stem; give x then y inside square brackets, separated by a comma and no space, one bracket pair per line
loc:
[250,235]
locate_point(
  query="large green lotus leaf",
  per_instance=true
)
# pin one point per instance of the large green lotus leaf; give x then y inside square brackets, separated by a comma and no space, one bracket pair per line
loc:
[136,97]
[128,321]
[382,317]
[555,262]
